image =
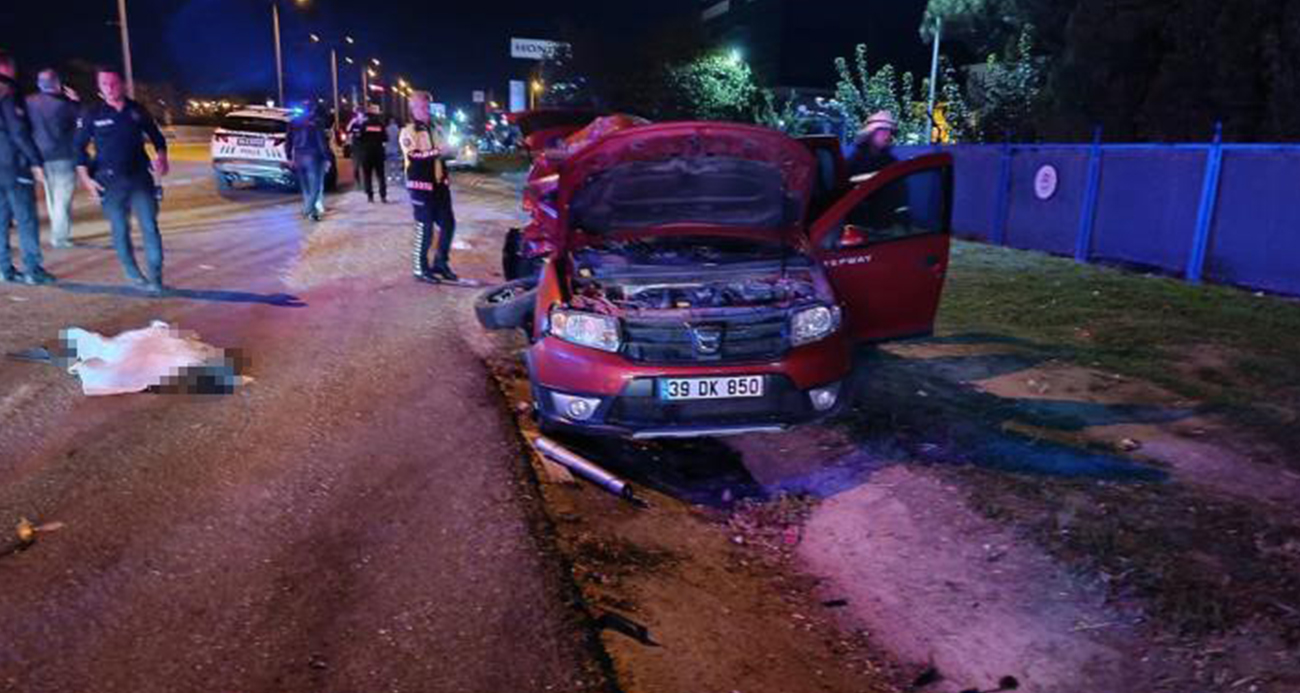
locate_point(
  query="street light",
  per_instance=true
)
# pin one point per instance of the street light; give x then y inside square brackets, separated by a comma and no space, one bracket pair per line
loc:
[334,75]
[279,59]
[126,48]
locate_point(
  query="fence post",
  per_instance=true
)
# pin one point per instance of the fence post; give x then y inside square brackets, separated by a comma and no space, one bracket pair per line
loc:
[1205,213]
[1088,215]
[999,230]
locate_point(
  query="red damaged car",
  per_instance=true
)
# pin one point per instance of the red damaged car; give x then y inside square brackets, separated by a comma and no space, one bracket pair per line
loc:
[712,278]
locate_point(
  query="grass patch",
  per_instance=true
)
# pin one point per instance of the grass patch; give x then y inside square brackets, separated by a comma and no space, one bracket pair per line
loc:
[1237,352]
[1200,565]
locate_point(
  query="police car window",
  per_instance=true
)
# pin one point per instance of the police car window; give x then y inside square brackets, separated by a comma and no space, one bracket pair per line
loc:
[914,205]
[246,124]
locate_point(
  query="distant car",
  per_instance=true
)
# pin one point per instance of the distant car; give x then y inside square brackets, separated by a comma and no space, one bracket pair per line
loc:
[466,151]
[251,146]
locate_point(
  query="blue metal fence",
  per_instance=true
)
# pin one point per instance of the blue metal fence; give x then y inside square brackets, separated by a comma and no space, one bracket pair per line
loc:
[1228,213]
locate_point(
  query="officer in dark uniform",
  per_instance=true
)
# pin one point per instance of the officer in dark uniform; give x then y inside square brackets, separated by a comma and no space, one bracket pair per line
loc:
[430,190]
[20,168]
[354,145]
[120,174]
[374,134]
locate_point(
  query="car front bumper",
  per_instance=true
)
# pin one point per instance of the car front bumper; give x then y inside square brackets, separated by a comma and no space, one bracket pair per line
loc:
[622,397]
[252,170]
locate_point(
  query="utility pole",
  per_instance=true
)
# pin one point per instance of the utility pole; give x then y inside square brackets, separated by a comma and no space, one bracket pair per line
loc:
[934,75]
[126,48]
[279,63]
[334,75]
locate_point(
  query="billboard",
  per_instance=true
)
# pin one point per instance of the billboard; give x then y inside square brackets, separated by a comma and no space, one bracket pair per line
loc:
[518,96]
[534,49]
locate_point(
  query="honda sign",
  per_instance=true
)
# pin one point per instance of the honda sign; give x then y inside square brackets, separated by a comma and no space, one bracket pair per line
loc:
[534,49]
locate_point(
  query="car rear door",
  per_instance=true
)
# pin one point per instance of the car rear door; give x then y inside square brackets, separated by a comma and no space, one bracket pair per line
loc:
[885,246]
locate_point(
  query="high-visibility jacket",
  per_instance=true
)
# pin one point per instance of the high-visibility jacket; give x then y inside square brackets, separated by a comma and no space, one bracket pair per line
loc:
[422,149]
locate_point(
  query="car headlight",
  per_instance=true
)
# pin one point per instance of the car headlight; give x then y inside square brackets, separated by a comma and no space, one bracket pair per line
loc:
[586,329]
[812,324]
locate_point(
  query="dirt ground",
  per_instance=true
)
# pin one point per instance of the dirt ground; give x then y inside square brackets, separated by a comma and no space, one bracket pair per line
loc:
[955,521]
[711,583]
[1063,500]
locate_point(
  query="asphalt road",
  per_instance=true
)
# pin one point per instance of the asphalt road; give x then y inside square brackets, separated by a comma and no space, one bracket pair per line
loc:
[356,519]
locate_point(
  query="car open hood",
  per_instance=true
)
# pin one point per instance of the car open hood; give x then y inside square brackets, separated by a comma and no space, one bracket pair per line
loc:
[542,126]
[687,178]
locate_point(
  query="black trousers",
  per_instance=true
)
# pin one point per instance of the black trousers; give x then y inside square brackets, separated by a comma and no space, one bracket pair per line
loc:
[432,208]
[372,167]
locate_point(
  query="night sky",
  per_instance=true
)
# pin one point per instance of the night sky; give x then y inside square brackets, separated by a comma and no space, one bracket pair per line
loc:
[219,47]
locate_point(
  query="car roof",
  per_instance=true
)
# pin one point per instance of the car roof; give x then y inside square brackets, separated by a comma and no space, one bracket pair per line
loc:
[262,112]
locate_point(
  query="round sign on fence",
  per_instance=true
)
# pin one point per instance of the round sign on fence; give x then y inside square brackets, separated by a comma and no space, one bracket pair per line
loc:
[1045,182]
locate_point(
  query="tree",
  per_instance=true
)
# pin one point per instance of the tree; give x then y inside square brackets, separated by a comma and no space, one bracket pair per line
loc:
[1011,89]
[859,93]
[714,86]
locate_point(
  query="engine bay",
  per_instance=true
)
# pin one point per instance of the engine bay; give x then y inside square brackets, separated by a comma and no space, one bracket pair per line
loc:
[637,276]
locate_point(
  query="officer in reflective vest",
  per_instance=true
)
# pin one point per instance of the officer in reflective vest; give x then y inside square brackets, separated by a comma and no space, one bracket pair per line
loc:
[430,191]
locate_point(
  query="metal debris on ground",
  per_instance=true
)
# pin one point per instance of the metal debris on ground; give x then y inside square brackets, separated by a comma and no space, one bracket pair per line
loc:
[587,470]
[37,355]
[25,534]
[928,677]
[622,624]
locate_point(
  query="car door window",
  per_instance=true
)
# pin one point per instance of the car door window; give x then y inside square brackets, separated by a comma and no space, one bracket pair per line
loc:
[911,206]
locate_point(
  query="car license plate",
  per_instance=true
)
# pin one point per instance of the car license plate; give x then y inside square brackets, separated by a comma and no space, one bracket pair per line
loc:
[710,388]
[253,142]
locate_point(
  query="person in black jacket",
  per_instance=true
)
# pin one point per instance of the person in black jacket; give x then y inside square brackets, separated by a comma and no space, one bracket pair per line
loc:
[53,112]
[20,169]
[120,174]
[309,150]
[371,142]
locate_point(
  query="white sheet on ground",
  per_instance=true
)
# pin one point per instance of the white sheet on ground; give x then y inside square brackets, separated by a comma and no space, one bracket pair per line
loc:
[136,360]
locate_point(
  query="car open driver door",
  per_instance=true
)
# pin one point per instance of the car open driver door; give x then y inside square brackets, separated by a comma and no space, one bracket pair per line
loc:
[885,248]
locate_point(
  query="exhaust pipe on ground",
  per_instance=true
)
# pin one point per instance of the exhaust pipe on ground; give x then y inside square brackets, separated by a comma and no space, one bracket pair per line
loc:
[586,469]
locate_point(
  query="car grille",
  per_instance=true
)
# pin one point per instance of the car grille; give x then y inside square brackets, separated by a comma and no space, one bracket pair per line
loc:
[733,339]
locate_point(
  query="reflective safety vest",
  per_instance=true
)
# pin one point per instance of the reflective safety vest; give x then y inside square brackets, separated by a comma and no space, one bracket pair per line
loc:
[422,152]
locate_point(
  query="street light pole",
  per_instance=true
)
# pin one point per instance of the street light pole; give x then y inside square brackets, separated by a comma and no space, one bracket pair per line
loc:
[334,75]
[934,75]
[279,63]
[126,48]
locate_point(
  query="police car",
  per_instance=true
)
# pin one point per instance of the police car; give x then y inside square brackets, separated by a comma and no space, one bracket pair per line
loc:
[251,146]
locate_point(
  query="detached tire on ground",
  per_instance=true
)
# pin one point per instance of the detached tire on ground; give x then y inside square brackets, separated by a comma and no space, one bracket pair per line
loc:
[506,306]
[513,263]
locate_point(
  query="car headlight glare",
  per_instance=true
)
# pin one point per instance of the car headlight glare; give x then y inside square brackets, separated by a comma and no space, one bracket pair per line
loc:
[812,324]
[586,329]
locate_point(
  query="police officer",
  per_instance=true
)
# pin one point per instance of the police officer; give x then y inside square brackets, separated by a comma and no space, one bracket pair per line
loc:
[354,145]
[20,168]
[119,175]
[430,190]
[371,142]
